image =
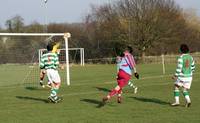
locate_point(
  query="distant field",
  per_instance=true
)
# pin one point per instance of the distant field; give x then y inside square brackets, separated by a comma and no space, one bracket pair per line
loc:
[23,101]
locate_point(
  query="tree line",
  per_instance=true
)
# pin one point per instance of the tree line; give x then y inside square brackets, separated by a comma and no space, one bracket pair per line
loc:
[151,27]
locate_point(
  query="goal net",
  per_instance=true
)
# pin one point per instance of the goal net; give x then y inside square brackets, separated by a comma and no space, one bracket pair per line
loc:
[19,64]
[76,56]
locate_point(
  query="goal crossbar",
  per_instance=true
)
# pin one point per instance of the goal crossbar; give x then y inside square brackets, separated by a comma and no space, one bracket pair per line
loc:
[32,34]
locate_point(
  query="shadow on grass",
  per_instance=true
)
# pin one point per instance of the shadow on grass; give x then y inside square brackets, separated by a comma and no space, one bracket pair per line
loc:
[32,98]
[32,88]
[93,101]
[151,100]
[36,88]
[103,89]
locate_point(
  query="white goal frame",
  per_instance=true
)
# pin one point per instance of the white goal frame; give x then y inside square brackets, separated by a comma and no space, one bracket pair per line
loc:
[66,36]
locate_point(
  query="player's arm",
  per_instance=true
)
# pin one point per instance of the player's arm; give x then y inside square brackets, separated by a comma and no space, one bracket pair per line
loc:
[42,65]
[193,66]
[178,68]
[132,65]
[136,74]
[55,48]
[118,61]
[56,60]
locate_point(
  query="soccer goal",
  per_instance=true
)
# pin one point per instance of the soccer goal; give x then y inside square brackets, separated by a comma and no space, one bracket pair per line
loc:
[19,56]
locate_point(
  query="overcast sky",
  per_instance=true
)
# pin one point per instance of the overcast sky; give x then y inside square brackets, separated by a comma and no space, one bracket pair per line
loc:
[59,10]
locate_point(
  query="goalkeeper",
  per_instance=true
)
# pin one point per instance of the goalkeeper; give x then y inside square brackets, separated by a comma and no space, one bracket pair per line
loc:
[183,75]
[50,63]
[126,65]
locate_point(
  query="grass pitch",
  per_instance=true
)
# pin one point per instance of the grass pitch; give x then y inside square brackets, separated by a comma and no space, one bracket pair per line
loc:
[24,103]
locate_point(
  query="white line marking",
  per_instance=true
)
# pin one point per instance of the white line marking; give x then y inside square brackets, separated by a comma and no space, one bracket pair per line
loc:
[96,92]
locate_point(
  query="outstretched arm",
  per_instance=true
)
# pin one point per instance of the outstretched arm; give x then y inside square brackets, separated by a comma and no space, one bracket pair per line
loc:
[55,48]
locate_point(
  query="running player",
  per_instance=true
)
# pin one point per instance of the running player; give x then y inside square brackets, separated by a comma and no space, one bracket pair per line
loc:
[126,66]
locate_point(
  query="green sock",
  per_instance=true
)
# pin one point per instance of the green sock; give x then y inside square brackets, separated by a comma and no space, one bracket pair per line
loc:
[176,95]
[185,93]
[187,97]
[54,92]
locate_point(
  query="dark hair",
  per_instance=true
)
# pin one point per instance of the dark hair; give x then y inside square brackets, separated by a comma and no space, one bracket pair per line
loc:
[119,52]
[49,47]
[184,48]
[130,49]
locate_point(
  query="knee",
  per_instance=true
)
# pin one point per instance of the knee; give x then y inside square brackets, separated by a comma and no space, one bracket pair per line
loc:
[176,87]
[185,89]
[117,88]
[56,85]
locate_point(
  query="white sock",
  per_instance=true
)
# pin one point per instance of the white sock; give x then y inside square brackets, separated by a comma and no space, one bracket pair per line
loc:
[177,99]
[187,97]
[131,84]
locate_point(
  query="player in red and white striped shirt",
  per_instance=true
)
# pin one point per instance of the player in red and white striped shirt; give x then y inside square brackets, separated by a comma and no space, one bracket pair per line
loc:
[126,65]
[128,53]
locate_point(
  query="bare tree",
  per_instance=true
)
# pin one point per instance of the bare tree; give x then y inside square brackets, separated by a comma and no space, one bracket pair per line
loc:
[15,24]
[145,24]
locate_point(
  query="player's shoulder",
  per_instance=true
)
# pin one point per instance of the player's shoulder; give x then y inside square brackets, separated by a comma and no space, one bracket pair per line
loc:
[44,55]
[48,54]
[51,54]
[181,56]
[187,55]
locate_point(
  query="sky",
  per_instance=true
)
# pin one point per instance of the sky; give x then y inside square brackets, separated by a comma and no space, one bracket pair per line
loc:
[59,10]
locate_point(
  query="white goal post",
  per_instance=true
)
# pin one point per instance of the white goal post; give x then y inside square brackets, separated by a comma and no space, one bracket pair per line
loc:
[66,36]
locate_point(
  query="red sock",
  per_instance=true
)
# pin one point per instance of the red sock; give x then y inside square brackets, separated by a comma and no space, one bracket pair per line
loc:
[120,91]
[113,93]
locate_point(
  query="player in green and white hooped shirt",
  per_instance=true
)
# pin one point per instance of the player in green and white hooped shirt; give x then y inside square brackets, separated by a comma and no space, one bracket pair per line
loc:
[43,71]
[183,75]
[50,63]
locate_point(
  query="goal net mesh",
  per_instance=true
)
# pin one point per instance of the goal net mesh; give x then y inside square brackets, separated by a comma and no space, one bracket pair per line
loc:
[19,64]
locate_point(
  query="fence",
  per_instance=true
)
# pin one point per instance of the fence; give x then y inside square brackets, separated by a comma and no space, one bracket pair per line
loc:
[167,59]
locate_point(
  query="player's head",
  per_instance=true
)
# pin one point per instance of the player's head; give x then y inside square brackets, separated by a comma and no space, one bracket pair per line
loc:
[49,47]
[119,52]
[119,48]
[129,49]
[184,48]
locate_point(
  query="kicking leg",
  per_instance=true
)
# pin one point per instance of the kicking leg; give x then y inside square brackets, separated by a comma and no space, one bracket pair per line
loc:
[119,96]
[112,93]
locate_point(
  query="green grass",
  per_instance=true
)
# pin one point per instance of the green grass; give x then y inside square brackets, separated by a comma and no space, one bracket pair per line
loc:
[27,104]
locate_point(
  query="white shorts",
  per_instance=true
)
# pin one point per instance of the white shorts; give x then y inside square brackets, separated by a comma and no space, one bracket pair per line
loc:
[53,76]
[184,82]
